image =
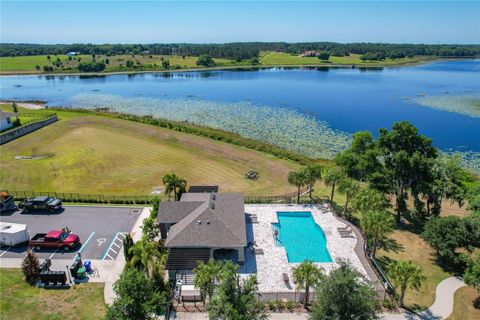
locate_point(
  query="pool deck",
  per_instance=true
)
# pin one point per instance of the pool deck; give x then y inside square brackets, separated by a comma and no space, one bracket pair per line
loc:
[270,265]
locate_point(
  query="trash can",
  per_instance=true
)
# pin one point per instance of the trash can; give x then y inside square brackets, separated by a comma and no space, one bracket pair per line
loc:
[81,273]
[88,266]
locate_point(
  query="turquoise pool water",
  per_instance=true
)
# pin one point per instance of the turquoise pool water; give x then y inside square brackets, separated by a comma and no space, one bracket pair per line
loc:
[302,238]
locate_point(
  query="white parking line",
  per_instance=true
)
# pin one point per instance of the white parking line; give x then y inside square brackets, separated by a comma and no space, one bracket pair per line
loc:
[53,254]
[1,255]
[86,242]
[118,236]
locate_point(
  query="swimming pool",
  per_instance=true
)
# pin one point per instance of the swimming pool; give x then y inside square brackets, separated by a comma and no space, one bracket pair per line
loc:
[302,237]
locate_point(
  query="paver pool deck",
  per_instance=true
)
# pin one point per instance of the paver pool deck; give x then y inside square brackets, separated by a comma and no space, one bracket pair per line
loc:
[270,265]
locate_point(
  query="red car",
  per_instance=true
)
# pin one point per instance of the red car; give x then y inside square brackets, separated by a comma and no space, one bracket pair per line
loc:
[54,240]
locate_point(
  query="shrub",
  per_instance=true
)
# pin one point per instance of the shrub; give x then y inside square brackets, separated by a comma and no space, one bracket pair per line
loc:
[91,66]
[127,244]
[205,60]
[389,304]
[31,267]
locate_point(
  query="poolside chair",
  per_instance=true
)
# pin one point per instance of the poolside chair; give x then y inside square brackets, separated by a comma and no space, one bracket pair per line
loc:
[253,218]
[285,277]
[346,234]
[258,251]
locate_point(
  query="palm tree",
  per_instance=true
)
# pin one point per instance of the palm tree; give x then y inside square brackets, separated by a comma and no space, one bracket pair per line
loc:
[205,275]
[307,275]
[175,184]
[297,178]
[145,254]
[375,225]
[331,178]
[406,274]
[312,175]
[349,187]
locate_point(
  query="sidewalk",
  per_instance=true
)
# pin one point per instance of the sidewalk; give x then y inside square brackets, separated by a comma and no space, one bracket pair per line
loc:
[440,309]
[119,265]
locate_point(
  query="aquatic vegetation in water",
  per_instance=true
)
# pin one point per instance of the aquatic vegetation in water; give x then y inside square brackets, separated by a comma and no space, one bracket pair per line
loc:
[468,105]
[279,126]
[469,159]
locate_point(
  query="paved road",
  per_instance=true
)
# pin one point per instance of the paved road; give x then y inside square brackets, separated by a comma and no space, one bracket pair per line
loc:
[101,230]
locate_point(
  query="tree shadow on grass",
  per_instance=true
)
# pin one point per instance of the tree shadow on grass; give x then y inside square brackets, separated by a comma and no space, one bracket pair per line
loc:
[411,223]
[476,303]
[384,262]
[391,245]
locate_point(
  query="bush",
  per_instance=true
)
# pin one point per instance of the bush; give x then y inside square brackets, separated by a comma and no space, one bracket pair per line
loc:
[31,267]
[205,60]
[445,235]
[91,66]
[389,304]
[127,244]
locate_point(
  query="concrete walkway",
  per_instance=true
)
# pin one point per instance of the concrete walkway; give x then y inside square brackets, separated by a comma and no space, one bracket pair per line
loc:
[119,265]
[440,309]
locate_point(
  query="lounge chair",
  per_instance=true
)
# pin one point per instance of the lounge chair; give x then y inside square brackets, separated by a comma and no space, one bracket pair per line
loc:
[285,277]
[346,234]
[253,218]
[258,251]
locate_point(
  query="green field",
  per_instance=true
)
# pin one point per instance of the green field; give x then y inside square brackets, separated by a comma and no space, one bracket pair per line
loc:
[285,59]
[101,154]
[26,64]
[22,301]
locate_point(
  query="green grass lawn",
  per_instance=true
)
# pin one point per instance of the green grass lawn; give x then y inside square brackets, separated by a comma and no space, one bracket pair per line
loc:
[101,154]
[26,64]
[467,304]
[277,58]
[22,301]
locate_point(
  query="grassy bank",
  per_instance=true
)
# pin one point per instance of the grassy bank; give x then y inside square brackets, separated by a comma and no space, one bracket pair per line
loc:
[285,59]
[103,154]
[22,301]
[118,63]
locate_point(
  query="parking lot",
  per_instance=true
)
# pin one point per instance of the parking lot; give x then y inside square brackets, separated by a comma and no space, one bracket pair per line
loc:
[101,230]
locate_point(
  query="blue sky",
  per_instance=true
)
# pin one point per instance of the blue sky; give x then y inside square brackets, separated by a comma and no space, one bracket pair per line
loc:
[227,21]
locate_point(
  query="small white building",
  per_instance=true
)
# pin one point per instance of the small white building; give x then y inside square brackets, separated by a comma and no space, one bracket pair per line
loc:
[72,53]
[6,120]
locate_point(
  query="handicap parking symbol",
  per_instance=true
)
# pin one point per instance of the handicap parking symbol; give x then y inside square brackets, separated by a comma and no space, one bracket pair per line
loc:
[101,241]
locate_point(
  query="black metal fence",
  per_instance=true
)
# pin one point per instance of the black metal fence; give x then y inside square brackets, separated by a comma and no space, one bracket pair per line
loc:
[85,197]
[287,198]
[141,199]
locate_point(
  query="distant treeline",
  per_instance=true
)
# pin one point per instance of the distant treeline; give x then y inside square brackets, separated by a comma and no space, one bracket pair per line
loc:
[243,50]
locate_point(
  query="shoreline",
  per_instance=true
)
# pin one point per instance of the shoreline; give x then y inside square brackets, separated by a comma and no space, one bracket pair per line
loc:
[219,68]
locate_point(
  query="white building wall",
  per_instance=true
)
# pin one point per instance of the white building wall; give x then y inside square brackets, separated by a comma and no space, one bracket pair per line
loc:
[6,123]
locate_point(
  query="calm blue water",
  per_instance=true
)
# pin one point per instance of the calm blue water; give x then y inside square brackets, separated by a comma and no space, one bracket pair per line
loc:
[302,238]
[349,100]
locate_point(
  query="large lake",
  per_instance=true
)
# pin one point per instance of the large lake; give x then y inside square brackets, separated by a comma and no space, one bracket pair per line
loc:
[287,105]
